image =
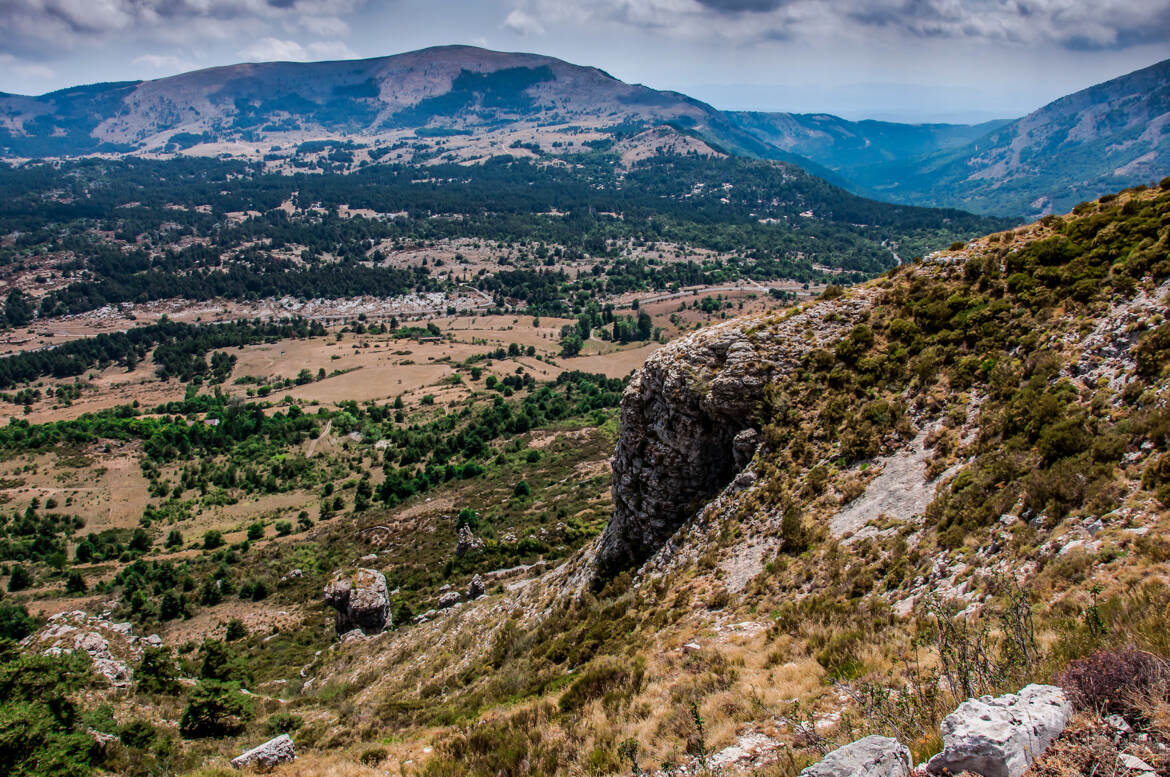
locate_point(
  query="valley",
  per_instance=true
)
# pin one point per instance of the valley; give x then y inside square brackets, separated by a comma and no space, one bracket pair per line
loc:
[468,413]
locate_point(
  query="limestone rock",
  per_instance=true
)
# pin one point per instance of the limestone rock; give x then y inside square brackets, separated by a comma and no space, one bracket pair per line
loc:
[687,414]
[1000,736]
[362,601]
[113,647]
[467,542]
[449,599]
[476,588]
[268,755]
[873,756]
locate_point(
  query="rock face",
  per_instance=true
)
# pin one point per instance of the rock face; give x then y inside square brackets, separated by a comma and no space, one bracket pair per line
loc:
[688,420]
[872,756]
[268,755]
[476,588]
[362,601]
[1000,736]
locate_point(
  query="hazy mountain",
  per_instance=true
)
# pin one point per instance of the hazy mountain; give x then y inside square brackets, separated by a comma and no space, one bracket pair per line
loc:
[841,145]
[1077,148]
[450,88]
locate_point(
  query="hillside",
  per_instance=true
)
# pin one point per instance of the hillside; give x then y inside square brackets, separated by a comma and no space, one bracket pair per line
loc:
[833,520]
[1079,147]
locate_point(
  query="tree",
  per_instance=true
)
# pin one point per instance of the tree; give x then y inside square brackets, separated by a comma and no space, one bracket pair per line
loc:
[174,539]
[215,709]
[40,733]
[157,672]
[212,539]
[15,622]
[75,583]
[20,579]
[571,345]
[218,661]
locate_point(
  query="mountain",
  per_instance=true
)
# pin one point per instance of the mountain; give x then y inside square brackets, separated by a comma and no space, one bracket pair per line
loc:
[842,146]
[448,90]
[1079,147]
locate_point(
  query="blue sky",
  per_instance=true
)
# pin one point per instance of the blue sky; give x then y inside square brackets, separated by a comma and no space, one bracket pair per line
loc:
[912,60]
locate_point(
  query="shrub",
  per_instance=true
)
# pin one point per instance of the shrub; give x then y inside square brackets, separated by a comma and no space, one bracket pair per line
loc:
[75,583]
[20,578]
[256,531]
[610,679]
[40,731]
[1113,681]
[283,528]
[215,709]
[235,630]
[521,489]
[283,723]
[212,539]
[157,672]
[138,734]
[15,622]
[372,756]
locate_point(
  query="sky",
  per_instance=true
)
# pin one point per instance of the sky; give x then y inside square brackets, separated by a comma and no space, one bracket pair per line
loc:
[899,60]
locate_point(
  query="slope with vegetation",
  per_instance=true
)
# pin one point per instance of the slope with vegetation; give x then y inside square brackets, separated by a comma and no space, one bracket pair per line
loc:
[1015,383]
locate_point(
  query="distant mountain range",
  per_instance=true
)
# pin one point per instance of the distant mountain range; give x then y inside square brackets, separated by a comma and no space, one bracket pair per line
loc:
[461,103]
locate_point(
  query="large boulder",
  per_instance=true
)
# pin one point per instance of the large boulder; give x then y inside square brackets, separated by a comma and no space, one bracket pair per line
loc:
[362,601]
[268,755]
[1000,736]
[873,756]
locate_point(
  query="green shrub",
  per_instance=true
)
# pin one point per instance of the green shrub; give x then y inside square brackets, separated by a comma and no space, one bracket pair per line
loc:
[283,723]
[157,672]
[608,678]
[215,709]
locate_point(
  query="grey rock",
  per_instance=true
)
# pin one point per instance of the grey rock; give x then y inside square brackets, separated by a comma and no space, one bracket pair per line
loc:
[743,447]
[356,635]
[425,616]
[1131,763]
[476,588]
[449,599]
[467,542]
[686,418]
[268,755]
[362,601]
[872,756]
[1000,736]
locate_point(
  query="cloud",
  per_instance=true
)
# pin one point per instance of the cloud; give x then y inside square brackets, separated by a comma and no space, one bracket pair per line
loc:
[42,27]
[523,23]
[26,69]
[166,62]
[1073,24]
[275,49]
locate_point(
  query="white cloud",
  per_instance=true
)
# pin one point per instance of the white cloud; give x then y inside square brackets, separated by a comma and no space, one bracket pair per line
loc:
[523,23]
[167,62]
[275,49]
[23,69]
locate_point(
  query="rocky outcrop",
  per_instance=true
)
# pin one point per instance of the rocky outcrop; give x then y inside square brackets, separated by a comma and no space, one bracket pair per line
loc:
[872,756]
[362,601]
[113,647]
[1000,736]
[467,542]
[267,756]
[476,588]
[688,419]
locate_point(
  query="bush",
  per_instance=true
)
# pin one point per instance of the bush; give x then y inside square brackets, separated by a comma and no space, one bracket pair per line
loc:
[256,531]
[1114,681]
[220,662]
[235,630]
[157,672]
[15,622]
[283,723]
[215,709]
[283,528]
[40,731]
[212,539]
[137,734]
[75,583]
[610,679]
[521,489]
[20,579]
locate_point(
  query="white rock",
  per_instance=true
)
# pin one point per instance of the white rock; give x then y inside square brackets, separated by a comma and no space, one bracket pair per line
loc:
[873,756]
[1134,764]
[1000,736]
[691,647]
[268,755]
